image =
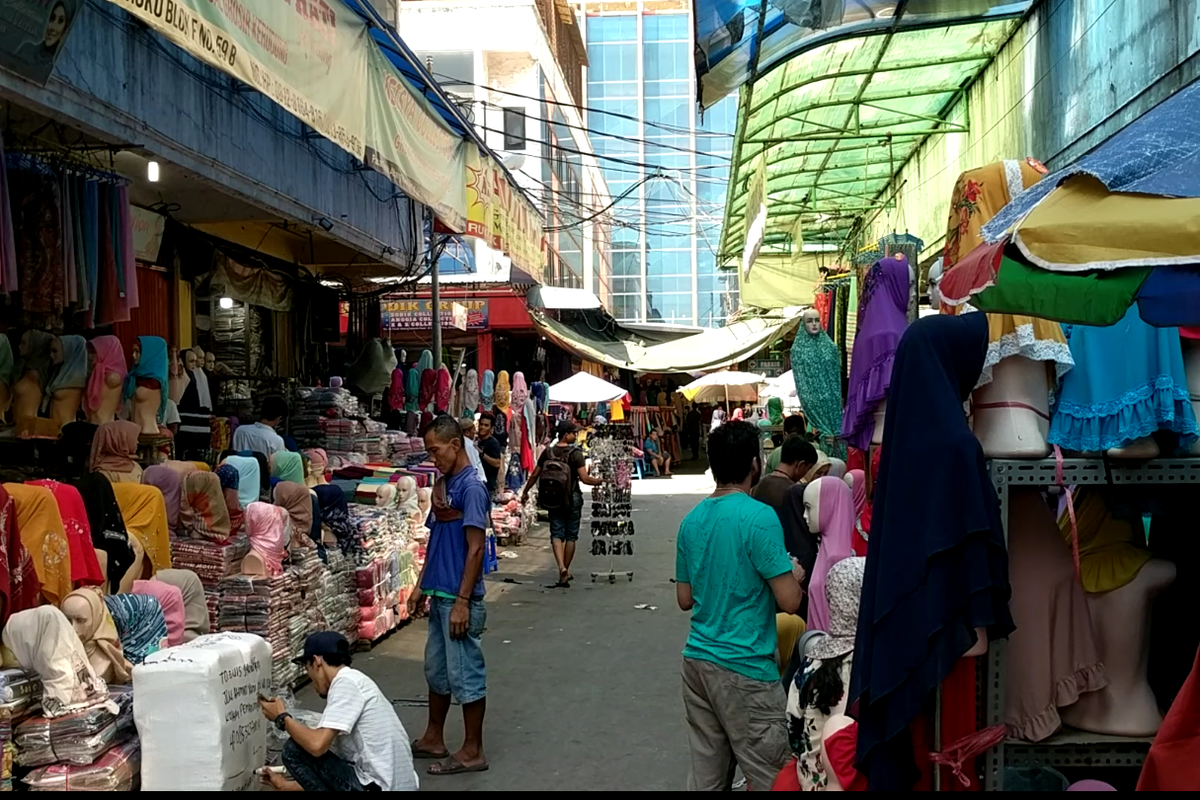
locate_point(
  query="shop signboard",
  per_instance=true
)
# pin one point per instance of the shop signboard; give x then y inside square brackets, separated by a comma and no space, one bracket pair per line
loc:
[501,216]
[458,313]
[147,233]
[32,33]
[413,314]
[771,367]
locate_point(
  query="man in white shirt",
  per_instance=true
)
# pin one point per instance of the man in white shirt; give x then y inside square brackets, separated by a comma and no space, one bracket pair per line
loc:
[261,436]
[360,744]
[468,429]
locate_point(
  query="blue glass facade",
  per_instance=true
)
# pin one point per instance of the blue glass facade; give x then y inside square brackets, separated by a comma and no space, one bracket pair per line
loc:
[672,170]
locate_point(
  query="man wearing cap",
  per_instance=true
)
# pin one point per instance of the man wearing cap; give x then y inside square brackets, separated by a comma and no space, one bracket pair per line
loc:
[564,521]
[360,744]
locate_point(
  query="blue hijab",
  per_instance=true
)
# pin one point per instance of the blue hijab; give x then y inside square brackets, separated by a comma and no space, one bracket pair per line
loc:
[151,364]
[248,470]
[73,371]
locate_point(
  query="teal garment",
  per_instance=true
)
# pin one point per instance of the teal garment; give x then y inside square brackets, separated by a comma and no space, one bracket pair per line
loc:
[817,370]
[727,549]
[774,460]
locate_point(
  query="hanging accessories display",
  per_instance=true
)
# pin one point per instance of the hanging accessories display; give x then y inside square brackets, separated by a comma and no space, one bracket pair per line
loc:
[611,447]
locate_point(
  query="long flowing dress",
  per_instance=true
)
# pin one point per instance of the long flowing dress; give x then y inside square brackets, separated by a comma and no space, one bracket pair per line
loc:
[817,371]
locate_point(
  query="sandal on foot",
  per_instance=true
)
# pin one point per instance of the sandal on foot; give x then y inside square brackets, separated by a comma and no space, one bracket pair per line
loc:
[418,752]
[452,766]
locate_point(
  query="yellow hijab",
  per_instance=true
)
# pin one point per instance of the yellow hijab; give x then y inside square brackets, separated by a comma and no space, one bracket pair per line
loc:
[40,527]
[145,513]
[503,392]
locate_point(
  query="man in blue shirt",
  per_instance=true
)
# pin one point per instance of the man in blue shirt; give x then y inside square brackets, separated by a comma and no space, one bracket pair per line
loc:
[654,454]
[453,579]
[731,569]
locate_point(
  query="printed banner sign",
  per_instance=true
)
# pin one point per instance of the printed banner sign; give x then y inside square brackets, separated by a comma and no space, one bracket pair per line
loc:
[413,314]
[500,215]
[147,233]
[32,33]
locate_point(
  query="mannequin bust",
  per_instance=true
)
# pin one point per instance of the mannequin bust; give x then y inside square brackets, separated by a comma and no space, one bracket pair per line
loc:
[1191,365]
[254,565]
[424,502]
[1121,621]
[110,400]
[210,360]
[935,280]
[406,496]
[146,401]
[27,392]
[1012,413]
[177,379]
[65,400]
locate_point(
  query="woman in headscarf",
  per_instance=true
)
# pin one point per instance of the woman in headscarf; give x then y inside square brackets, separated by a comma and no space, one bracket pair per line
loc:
[230,480]
[72,371]
[40,527]
[318,462]
[718,419]
[835,505]
[170,598]
[287,466]
[267,528]
[113,451]
[170,483]
[107,527]
[145,515]
[937,570]
[149,370]
[44,643]
[207,513]
[19,587]
[195,606]
[85,569]
[296,500]
[738,415]
[88,615]
[248,482]
[108,359]
[335,516]
[141,625]
[857,480]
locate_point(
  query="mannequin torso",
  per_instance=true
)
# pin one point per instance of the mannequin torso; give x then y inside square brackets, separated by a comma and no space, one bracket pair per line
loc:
[1012,413]
[146,401]
[253,564]
[64,405]
[27,396]
[110,400]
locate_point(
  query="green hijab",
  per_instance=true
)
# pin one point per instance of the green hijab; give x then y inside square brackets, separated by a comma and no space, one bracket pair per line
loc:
[817,370]
[288,466]
[775,410]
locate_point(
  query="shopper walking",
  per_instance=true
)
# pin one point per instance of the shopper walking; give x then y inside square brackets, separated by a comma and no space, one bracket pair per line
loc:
[731,571]
[359,744]
[453,579]
[490,450]
[557,475]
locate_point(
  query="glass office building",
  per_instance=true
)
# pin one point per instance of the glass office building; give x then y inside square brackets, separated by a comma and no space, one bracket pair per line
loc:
[667,167]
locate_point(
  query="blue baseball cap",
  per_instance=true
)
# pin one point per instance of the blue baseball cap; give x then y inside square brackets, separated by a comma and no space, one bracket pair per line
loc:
[323,643]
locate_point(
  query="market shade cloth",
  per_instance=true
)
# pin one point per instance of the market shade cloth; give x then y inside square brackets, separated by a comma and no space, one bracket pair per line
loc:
[784,386]
[583,387]
[741,387]
[701,352]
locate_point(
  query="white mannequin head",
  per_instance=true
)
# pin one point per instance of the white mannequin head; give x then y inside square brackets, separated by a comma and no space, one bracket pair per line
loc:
[812,321]
[406,490]
[812,506]
[935,281]
[190,360]
[79,612]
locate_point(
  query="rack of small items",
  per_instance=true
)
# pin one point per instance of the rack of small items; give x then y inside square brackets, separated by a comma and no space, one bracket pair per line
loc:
[611,452]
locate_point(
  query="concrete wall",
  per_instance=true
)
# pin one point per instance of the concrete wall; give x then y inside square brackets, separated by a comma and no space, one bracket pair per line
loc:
[117,80]
[1075,73]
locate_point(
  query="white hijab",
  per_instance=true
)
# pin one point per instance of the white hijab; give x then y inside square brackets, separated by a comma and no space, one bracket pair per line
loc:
[44,642]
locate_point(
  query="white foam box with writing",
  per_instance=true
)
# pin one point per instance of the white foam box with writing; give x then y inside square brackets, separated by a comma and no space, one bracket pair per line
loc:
[196,710]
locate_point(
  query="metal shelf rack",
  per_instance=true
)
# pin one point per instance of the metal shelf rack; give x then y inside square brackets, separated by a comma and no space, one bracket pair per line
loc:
[1069,747]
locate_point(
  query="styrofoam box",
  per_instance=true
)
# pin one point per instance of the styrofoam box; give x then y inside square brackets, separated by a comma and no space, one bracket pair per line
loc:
[196,710]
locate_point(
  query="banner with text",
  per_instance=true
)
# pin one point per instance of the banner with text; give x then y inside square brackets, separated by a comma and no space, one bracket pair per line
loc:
[413,314]
[32,33]
[499,214]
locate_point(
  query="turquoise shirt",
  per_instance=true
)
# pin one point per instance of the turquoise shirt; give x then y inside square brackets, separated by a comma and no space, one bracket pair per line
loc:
[728,548]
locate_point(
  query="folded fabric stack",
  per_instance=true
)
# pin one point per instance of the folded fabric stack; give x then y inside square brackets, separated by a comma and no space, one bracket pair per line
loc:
[211,562]
[342,591]
[511,519]
[21,695]
[115,771]
[264,606]
[310,573]
[315,407]
[373,443]
[76,739]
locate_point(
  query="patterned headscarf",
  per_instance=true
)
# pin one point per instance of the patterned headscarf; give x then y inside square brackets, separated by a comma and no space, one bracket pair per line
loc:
[487,393]
[471,392]
[151,365]
[817,370]
[503,391]
[520,390]
[267,527]
[140,623]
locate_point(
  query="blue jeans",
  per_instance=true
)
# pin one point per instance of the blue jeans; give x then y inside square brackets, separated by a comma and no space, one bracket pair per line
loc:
[455,666]
[564,523]
[329,773]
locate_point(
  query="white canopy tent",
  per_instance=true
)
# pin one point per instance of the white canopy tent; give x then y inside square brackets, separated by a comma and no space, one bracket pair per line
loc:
[583,387]
[783,387]
[727,386]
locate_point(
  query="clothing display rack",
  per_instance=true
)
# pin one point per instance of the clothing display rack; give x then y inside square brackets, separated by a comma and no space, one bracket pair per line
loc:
[1067,747]
[610,450]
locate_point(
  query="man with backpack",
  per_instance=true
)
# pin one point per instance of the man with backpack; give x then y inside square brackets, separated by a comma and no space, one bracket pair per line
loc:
[558,474]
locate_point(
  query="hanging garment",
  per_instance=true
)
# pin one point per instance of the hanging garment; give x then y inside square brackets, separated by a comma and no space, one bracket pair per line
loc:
[170,483]
[40,528]
[9,279]
[170,599]
[19,583]
[425,361]
[1128,382]
[107,526]
[100,640]
[145,515]
[503,392]
[267,527]
[487,392]
[35,357]
[471,393]
[127,261]
[108,358]
[1171,765]
[295,499]
[90,228]
[114,448]
[817,369]
[195,606]
[207,510]
[862,510]
[1108,555]
[396,390]
[66,231]
[85,568]
[428,390]
[140,622]
[37,219]
[371,372]
[249,480]
[882,318]
[520,391]
[44,643]
[150,368]
[288,466]
[836,544]
[442,390]
[412,389]
[72,372]
[936,567]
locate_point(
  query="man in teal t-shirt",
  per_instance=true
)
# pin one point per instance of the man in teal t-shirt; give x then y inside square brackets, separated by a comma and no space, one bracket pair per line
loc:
[731,570]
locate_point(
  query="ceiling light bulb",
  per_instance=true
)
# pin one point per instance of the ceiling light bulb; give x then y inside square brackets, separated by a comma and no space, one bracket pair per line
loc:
[152,172]
[226,302]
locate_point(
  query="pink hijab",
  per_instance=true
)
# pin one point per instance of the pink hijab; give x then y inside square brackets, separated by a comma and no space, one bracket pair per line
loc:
[267,525]
[837,543]
[110,357]
[171,599]
[520,390]
[858,486]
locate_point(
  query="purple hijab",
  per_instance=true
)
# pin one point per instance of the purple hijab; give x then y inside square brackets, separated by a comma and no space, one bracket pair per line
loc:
[882,318]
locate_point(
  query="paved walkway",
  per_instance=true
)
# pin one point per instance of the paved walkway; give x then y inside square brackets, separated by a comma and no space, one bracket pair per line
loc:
[583,688]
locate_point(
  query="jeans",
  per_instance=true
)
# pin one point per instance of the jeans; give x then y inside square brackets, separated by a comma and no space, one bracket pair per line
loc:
[329,773]
[455,666]
[564,523]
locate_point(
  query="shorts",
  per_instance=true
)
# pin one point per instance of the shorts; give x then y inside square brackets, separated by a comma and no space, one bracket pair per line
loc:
[455,666]
[565,526]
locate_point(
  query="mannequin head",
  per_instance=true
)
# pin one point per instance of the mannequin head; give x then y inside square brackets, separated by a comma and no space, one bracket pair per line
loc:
[812,506]
[812,321]
[406,491]
[935,281]
[79,613]
[210,361]
[424,501]
[137,352]
[56,350]
[190,361]
[385,495]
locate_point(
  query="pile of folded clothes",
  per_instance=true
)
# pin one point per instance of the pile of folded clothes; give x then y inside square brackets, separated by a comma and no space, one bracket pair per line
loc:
[115,771]
[265,606]
[20,698]
[211,561]
[75,741]
[341,610]
[310,573]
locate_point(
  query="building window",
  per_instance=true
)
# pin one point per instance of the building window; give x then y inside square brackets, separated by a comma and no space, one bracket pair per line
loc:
[514,129]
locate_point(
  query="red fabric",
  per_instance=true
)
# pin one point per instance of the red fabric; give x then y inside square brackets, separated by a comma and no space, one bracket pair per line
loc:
[821,303]
[527,462]
[1171,765]
[788,780]
[855,459]
[19,583]
[85,567]
[958,719]
[839,749]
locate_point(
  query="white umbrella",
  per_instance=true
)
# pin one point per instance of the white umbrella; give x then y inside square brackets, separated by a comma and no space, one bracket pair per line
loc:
[583,387]
[727,385]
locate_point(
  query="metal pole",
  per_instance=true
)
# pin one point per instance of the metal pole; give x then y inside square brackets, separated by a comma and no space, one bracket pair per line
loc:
[436,306]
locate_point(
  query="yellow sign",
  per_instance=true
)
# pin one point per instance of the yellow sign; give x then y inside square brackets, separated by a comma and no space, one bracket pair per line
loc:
[500,215]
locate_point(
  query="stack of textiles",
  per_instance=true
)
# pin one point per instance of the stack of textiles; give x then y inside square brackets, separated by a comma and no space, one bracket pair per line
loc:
[211,562]
[378,449]
[397,445]
[344,439]
[20,698]
[312,581]
[510,519]
[342,609]
[314,406]
[263,606]
[79,738]
[118,770]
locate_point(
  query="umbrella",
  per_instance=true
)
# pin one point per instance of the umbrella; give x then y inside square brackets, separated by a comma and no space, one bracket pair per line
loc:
[783,387]
[583,387]
[727,385]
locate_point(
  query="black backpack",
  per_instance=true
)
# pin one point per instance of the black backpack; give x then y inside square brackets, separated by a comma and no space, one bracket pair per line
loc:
[554,484]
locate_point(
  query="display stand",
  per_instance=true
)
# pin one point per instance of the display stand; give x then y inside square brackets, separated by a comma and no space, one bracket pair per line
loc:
[1068,747]
[612,502]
